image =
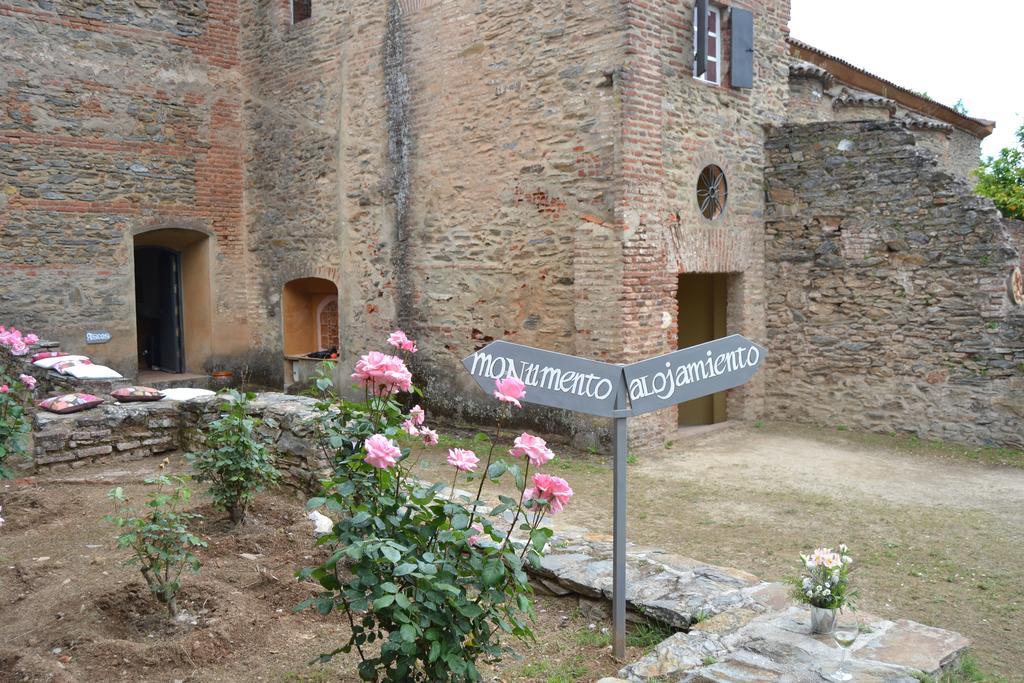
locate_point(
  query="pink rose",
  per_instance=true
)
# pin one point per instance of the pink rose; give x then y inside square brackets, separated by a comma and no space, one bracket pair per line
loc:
[381,453]
[400,341]
[476,538]
[554,491]
[429,436]
[31,339]
[382,374]
[510,390]
[462,460]
[18,348]
[418,415]
[410,428]
[533,447]
[4,389]
[28,380]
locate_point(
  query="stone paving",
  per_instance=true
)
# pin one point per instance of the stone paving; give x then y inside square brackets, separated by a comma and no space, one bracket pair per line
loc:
[736,627]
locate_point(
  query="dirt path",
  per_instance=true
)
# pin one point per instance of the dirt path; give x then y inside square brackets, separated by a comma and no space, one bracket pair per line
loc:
[70,612]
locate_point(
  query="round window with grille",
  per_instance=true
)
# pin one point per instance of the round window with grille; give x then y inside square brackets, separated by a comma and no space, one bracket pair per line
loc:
[712,192]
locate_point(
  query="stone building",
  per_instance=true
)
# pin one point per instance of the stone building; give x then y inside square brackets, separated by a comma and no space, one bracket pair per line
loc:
[232,184]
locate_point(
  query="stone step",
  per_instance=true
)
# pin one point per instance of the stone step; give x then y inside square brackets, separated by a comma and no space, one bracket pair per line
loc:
[168,380]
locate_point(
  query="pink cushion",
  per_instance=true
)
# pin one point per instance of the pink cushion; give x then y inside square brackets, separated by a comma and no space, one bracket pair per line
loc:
[47,354]
[133,394]
[63,365]
[70,403]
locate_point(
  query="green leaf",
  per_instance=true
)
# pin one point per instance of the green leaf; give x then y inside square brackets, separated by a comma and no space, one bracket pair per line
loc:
[496,470]
[493,573]
[393,555]
[404,569]
[460,521]
[470,610]
[383,601]
[408,633]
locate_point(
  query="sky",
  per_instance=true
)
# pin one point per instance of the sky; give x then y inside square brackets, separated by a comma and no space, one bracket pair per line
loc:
[947,49]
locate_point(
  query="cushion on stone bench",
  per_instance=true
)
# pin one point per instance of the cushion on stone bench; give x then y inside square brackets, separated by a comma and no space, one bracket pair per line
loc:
[185,394]
[69,403]
[48,363]
[48,354]
[90,371]
[134,394]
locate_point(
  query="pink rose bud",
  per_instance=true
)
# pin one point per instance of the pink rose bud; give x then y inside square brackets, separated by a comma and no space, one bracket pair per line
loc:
[462,460]
[381,452]
[400,341]
[430,437]
[510,390]
[533,447]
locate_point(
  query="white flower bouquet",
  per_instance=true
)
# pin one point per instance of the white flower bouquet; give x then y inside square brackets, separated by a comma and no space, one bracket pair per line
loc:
[825,578]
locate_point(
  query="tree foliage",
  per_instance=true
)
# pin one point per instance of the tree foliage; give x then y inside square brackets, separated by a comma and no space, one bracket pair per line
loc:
[1001,179]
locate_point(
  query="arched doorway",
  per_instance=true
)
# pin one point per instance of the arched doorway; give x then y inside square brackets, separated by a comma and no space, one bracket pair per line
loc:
[309,308]
[172,300]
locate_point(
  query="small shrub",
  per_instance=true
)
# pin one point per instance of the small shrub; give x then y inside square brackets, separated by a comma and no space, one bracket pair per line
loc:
[158,536]
[237,462]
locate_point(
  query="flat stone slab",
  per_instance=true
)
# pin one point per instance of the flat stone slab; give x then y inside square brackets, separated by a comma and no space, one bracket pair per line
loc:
[778,646]
[669,588]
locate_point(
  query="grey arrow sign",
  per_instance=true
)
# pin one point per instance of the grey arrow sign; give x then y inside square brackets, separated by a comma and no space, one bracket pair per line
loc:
[551,379]
[691,373]
[588,386]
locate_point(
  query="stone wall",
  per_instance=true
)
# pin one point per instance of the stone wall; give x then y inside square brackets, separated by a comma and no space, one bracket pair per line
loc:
[448,165]
[115,118]
[888,307]
[114,431]
[816,96]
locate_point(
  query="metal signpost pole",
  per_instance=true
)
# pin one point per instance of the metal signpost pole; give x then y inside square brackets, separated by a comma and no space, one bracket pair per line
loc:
[620,433]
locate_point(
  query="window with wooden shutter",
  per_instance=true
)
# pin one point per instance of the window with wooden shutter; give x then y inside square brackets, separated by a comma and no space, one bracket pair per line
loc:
[741,53]
[301,10]
[707,63]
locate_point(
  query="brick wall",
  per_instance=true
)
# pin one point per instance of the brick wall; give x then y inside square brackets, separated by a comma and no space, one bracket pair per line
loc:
[115,118]
[673,126]
[888,307]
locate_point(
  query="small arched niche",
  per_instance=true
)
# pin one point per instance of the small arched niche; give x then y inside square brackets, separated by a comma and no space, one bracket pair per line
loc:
[309,314]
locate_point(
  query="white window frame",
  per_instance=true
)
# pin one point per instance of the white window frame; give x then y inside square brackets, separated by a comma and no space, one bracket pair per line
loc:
[715,58]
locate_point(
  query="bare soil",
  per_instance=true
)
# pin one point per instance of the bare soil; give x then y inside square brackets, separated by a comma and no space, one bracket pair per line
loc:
[936,530]
[70,611]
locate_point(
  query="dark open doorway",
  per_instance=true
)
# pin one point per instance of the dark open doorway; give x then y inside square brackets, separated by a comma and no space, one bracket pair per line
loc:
[702,308]
[158,309]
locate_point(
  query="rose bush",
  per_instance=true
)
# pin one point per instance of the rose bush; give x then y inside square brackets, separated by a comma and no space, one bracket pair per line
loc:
[428,581]
[158,536]
[15,397]
[237,461]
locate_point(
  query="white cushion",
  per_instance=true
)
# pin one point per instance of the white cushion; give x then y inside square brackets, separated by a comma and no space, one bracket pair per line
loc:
[91,372]
[50,362]
[185,394]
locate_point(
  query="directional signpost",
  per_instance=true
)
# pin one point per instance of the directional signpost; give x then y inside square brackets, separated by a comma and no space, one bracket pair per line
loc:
[618,391]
